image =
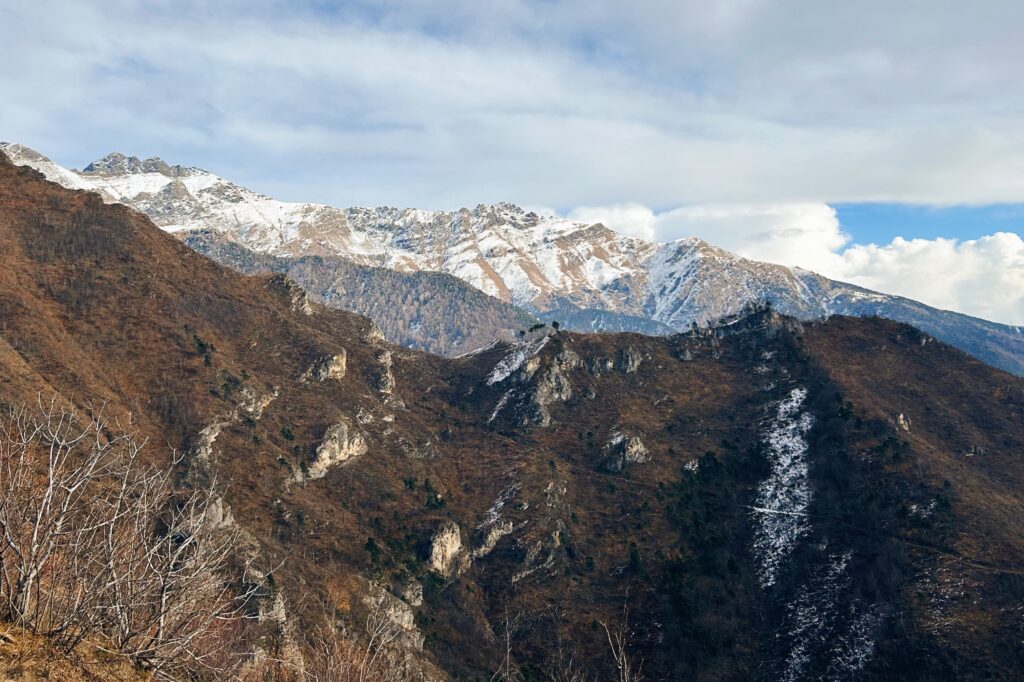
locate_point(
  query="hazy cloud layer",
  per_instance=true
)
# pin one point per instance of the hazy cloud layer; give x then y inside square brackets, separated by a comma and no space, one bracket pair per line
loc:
[446,103]
[757,112]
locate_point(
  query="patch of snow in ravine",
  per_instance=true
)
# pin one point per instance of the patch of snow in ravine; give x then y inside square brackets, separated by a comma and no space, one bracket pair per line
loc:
[510,363]
[493,514]
[822,621]
[810,616]
[782,498]
[855,650]
[501,404]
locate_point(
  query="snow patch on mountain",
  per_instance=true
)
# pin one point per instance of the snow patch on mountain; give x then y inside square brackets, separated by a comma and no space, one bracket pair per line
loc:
[782,499]
[521,352]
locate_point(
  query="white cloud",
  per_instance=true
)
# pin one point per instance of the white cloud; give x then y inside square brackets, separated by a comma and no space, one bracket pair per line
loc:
[629,219]
[982,277]
[791,234]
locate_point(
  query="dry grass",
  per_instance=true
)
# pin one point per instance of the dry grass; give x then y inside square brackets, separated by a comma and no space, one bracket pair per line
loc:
[27,657]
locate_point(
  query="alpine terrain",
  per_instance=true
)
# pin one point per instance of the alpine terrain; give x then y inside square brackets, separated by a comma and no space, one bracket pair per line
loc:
[588,277]
[761,498]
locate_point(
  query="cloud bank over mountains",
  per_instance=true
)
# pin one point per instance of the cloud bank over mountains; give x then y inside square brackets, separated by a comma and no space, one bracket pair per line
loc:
[570,103]
[982,277]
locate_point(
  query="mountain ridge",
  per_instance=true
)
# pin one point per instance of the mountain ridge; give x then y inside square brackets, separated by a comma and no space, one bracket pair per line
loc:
[544,265]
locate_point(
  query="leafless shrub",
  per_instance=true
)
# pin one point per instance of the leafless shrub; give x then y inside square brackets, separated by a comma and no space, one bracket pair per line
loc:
[51,469]
[620,638]
[566,667]
[507,671]
[95,542]
[371,656]
[167,604]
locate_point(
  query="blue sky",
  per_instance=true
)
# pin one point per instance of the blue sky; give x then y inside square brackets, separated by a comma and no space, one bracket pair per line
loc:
[880,223]
[876,142]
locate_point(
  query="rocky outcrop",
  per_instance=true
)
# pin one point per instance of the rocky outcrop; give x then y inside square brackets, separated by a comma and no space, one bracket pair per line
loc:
[203,451]
[549,386]
[629,360]
[386,378]
[445,548]
[903,421]
[599,365]
[412,593]
[384,606]
[373,335]
[490,539]
[622,450]
[339,445]
[541,554]
[289,290]
[254,403]
[218,514]
[273,612]
[328,367]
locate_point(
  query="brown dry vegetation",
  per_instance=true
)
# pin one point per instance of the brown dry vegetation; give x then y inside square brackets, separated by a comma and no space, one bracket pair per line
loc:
[429,311]
[98,304]
[28,657]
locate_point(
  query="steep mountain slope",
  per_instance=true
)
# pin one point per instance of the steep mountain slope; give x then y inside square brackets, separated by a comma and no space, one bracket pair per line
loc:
[770,499]
[428,311]
[584,275]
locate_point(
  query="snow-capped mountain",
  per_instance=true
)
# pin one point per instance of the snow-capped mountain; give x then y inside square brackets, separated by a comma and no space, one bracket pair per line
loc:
[580,273]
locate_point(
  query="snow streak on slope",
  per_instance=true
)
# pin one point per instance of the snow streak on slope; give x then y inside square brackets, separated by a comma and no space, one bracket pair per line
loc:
[521,352]
[823,627]
[782,498]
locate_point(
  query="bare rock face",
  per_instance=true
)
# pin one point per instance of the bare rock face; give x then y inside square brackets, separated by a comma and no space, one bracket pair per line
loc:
[219,514]
[386,380]
[374,335]
[203,451]
[622,450]
[445,547]
[384,606]
[494,533]
[254,403]
[412,593]
[328,367]
[339,445]
[903,421]
[288,289]
[599,365]
[528,369]
[551,385]
[629,360]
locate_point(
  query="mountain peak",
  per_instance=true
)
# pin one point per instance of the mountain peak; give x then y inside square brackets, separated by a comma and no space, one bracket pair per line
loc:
[116,163]
[20,152]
